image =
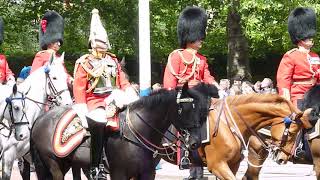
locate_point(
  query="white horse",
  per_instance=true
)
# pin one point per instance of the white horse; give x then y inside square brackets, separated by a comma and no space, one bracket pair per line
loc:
[6,96]
[45,85]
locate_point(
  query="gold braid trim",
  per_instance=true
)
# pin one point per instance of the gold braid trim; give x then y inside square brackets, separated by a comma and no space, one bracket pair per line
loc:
[179,76]
[96,74]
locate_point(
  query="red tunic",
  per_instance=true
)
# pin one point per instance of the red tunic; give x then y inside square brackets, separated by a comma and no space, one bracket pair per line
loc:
[184,71]
[81,84]
[5,72]
[298,73]
[42,58]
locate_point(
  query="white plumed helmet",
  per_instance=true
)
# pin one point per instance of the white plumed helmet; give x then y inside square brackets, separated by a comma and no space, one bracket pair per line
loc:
[98,33]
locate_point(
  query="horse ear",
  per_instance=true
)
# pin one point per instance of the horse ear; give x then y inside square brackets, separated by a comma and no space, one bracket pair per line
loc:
[51,58]
[123,62]
[14,89]
[61,58]
[185,87]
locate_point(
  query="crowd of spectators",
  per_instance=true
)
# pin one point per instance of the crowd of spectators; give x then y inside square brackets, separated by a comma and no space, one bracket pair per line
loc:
[245,87]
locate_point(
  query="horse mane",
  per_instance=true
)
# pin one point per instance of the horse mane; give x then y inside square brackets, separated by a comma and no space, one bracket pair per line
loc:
[154,99]
[259,98]
[25,85]
[312,97]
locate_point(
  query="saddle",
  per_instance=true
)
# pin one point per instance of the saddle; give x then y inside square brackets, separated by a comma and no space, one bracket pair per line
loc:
[69,133]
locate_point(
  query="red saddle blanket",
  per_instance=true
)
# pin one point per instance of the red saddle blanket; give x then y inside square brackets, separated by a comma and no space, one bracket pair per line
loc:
[69,132]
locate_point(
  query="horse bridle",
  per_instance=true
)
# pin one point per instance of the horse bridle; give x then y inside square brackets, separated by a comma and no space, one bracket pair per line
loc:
[14,123]
[288,120]
[55,96]
[154,148]
[54,99]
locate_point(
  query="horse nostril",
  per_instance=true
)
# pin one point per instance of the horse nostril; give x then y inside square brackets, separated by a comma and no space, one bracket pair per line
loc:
[21,136]
[194,146]
[280,161]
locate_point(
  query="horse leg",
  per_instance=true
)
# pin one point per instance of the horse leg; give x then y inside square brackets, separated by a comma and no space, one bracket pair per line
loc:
[217,165]
[26,170]
[7,162]
[257,156]
[147,176]
[76,172]
[55,169]
[119,175]
[315,146]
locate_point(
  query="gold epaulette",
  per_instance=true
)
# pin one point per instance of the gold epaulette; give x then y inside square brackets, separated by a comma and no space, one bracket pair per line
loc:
[81,61]
[111,54]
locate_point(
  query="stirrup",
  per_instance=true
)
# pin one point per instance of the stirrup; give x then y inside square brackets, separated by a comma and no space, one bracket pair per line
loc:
[98,173]
[184,163]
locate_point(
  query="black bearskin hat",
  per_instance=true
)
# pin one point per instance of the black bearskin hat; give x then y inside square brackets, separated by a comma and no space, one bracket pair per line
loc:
[302,24]
[51,29]
[1,30]
[191,26]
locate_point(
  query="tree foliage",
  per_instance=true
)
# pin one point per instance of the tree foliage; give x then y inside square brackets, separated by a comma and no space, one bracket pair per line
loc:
[264,23]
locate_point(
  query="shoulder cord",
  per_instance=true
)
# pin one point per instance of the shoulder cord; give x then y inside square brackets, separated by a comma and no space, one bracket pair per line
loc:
[96,74]
[186,63]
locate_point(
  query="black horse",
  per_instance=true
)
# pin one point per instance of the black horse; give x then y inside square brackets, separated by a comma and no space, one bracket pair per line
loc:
[135,151]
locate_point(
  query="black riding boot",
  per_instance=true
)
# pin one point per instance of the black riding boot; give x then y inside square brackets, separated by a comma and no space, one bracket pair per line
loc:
[97,131]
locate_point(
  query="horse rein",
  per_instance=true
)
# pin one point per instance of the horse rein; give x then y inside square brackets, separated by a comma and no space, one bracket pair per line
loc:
[149,145]
[267,146]
[55,98]
[154,148]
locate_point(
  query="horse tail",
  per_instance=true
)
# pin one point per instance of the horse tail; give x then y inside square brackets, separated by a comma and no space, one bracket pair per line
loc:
[40,167]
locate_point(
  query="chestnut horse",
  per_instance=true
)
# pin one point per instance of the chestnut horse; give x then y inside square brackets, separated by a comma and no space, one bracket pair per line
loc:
[234,119]
[257,154]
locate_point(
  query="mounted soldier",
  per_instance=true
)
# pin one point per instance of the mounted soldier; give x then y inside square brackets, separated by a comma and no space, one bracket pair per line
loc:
[6,75]
[187,64]
[50,39]
[299,69]
[100,89]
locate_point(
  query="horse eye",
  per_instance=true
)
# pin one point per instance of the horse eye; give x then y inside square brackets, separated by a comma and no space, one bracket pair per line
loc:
[16,107]
[54,78]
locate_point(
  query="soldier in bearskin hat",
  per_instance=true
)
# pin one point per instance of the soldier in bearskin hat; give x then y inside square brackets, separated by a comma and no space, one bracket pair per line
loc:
[299,69]
[51,30]
[6,75]
[100,88]
[191,29]
[187,64]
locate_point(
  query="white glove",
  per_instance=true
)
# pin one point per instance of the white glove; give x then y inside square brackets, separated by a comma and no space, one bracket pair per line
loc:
[117,96]
[286,93]
[82,111]
[122,98]
[131,95]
